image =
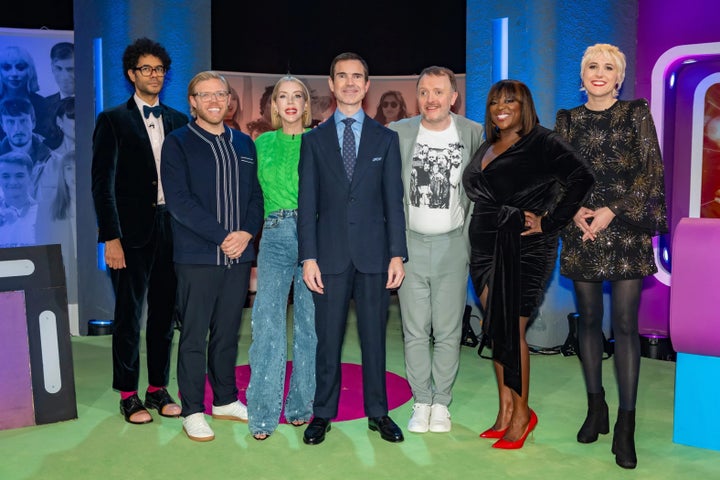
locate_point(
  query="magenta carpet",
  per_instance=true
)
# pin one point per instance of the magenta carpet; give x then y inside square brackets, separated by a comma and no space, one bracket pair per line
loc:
[351,396]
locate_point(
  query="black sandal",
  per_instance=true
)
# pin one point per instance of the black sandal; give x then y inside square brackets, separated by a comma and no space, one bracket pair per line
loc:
[158,400]
[260,439]
[130,406]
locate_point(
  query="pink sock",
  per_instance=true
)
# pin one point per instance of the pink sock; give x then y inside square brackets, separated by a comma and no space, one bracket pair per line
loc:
[152,389]
[126,395]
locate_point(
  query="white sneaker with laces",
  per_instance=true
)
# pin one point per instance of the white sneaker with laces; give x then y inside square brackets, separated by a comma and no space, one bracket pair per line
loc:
[420,418]
[197,428]
[439,419]
[232,411]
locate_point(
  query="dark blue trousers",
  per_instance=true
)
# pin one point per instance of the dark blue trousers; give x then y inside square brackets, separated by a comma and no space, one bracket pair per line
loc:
[210,300]
[331,312]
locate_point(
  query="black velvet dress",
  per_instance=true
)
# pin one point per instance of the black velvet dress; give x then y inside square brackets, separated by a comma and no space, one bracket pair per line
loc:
[542,174]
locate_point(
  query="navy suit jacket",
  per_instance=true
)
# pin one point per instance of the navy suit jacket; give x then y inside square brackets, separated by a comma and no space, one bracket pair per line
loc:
[360,222]
[124,175]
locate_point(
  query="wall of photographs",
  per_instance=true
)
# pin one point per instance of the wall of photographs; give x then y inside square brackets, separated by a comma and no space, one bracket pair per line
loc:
[389,98]
[37,145]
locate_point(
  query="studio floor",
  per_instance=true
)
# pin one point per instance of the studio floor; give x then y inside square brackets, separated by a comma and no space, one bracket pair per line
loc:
[99,445]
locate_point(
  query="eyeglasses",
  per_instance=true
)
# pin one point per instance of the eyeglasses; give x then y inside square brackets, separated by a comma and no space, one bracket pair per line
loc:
[392,104]
[147,70]
[206,96]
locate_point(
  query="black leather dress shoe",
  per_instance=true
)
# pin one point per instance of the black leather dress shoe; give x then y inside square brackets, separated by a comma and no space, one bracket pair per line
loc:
[315,432]
[159,400]
[130,406]
[388,429]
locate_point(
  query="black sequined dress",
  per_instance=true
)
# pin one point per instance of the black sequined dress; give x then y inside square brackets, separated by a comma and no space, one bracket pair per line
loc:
[621,146]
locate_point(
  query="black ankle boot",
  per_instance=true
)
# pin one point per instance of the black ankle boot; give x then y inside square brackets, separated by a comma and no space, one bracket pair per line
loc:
[624,439]
[596,421]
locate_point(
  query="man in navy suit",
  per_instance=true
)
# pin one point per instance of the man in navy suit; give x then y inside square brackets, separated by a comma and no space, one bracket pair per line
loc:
[351,234]
[134,224]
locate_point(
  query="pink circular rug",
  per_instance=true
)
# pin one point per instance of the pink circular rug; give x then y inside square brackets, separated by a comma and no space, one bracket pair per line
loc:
[351,394]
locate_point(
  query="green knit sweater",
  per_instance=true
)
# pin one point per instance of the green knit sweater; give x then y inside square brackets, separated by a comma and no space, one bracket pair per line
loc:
[278,156]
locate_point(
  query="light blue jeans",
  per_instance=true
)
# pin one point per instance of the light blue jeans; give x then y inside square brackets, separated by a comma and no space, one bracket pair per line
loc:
[277,264]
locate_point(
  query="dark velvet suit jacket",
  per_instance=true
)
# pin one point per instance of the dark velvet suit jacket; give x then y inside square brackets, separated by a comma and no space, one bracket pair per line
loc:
[360,222]
[124,176]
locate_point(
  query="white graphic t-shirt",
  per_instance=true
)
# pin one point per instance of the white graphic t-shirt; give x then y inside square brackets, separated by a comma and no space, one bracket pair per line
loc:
[435,175]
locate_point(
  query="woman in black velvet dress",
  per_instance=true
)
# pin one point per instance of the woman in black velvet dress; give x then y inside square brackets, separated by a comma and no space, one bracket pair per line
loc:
[526,183]
[610,238]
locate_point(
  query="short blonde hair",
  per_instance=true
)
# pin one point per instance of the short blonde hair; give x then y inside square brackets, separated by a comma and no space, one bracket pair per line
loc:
[613,53]
[201,77]
[307,113]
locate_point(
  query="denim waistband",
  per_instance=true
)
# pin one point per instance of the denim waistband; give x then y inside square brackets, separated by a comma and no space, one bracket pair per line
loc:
[283,213]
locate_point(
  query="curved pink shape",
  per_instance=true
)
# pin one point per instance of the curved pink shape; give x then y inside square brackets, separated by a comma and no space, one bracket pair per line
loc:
[351,395]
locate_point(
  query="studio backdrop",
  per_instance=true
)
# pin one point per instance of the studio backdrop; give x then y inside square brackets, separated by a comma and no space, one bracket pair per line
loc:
[37,146]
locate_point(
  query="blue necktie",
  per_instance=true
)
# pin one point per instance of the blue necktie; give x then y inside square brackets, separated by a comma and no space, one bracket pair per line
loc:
[348,147]
[156,110]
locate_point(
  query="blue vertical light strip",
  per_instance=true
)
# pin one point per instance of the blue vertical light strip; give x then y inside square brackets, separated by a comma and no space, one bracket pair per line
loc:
[98,74]
[500,49]
[98,86]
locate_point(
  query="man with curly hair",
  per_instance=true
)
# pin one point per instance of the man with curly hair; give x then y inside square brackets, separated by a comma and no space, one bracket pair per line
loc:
[134,224]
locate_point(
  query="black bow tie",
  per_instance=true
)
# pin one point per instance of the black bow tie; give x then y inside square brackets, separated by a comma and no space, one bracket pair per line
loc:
[156,110]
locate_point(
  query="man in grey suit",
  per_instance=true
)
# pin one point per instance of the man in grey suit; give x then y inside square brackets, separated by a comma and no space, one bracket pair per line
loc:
[351,238]
[435,147]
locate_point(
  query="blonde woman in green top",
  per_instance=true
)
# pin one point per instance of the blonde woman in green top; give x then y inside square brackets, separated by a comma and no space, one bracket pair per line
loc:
[278,268]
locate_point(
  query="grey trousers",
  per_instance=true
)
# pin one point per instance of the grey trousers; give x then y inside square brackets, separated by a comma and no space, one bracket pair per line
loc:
[432,302]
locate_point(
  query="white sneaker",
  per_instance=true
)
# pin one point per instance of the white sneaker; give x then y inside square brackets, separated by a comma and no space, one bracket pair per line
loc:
[197,428]
[420,418]
[439,419]
[232,411]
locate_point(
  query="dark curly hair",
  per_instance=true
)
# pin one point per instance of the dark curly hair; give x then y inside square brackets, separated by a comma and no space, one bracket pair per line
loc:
[144,46]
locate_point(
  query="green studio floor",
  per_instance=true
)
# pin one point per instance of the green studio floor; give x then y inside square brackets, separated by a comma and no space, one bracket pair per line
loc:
[99,445]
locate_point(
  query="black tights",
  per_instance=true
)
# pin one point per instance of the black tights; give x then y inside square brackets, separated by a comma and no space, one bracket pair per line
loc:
[625,302]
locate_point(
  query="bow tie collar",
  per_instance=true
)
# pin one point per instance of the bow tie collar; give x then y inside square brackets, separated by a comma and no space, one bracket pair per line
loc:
[156,110]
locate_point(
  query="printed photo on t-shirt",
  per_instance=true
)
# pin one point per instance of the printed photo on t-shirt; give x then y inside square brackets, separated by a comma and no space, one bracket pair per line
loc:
[434,172]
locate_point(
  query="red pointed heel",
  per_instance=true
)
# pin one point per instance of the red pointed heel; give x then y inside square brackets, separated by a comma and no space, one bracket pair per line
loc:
[492,433]
[508,445]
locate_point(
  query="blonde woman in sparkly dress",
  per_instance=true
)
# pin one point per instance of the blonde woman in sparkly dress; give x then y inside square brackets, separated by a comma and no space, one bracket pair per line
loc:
[610,239]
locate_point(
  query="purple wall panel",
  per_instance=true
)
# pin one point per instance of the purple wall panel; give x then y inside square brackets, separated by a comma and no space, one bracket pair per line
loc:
[663,25]
[16,400]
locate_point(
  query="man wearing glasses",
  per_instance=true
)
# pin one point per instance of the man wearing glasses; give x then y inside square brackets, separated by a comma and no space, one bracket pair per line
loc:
[210,175]
[134,225]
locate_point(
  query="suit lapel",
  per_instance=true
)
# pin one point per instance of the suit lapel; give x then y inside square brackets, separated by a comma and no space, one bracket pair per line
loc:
[327,132]
[408,149]
[168,120]
[137,120]
[368,140]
